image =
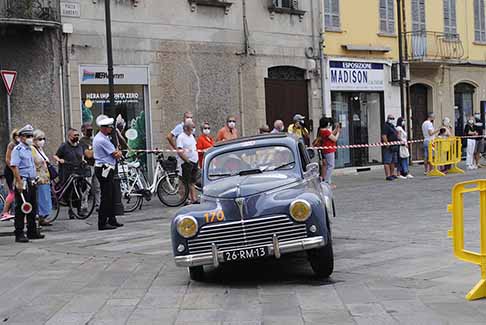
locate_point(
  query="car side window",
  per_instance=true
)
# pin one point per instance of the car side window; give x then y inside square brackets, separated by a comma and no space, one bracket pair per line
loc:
[304,158]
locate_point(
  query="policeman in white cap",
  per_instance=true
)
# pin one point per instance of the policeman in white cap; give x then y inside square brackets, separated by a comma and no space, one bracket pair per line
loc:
[23,167]
[106,155]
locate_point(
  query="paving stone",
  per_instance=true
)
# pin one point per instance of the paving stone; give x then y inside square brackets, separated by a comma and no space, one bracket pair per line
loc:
[69,319]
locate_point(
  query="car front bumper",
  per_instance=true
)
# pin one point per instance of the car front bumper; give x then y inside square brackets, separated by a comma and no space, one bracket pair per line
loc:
[275,249]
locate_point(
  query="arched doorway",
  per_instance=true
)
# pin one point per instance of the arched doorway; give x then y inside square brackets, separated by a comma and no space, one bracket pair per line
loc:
[463,105]
[419,100]
[285,94]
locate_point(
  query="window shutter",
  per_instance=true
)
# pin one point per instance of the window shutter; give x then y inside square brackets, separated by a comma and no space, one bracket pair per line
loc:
[415,15]
[477,24]
[391,16]
[422,14]
[482,25]
[453,17]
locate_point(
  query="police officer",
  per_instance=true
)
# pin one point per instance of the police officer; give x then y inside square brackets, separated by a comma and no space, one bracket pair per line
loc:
[106,155]
[22,165]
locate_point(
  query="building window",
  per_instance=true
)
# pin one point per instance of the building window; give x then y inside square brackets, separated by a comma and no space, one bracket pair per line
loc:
[418,15]
[283,3]
[479,25]
[450,28]
[331,12]
[387,16]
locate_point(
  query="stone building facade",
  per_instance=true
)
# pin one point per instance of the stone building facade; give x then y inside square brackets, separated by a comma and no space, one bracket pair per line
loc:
[257,60]
[31,38]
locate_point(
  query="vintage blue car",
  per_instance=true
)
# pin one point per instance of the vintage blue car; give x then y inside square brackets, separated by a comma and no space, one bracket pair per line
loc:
[262,197]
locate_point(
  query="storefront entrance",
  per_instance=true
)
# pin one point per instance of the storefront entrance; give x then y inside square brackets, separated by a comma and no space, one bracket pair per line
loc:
[360,115]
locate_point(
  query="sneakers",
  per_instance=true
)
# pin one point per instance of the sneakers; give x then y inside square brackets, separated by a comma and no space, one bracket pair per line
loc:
[6,216]
[402,177]
[390,178]
[35,235]
[21,238]
[409,176]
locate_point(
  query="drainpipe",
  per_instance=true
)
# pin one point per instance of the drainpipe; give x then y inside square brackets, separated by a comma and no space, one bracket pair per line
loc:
[321,58]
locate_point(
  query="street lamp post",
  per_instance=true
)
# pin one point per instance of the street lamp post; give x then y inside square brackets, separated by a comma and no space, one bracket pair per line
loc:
[400,58]
[117,203]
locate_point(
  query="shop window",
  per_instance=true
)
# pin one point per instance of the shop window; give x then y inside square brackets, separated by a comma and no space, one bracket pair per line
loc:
[479,22]
[331,13]
[450,28]
[387,16]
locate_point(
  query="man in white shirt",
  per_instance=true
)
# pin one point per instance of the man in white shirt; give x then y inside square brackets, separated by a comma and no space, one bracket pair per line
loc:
[172,136]
[429,133]
[188,158]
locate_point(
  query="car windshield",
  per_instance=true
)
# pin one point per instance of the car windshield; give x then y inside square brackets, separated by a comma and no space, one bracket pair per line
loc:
[251,161]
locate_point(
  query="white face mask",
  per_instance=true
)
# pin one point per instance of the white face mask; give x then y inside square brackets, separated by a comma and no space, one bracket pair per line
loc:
[206,131]
[29,141]
[470,121]
[41,143]
[189,119]
[231,125]
[392,122]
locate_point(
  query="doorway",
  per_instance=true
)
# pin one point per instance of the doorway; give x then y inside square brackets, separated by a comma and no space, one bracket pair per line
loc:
[286,95]
[463,106]
[419,102]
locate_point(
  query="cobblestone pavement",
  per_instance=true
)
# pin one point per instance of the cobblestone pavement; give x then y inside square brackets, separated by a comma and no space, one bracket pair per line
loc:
[394,264]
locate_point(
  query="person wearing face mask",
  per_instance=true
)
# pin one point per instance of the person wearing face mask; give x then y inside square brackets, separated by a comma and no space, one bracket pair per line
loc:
[328,138]
[44,200]
[179,128]
[204,142]
[86,142]
[9,177]
[278,126]
[229,131]
[429,133]
[479,140]
[403,153]
[390,152]
[471,130]
[69,156]
[298,128]
[23,167]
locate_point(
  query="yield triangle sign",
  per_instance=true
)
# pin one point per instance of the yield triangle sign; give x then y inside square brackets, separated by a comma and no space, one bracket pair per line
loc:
[9,78]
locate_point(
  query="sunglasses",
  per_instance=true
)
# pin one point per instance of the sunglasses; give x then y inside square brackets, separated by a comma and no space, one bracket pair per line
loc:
[206,128]
[29,136]
[40,139]
[229,121]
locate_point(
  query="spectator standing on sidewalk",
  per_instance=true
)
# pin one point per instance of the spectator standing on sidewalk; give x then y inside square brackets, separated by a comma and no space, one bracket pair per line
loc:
[278,126]
[229,131]
[471,130]
[188,158]
[328,138]
[299,129]
[44,199]
[86,142]
[204,142]
[178,129]
[390,152]
[9,177]
[404,153]
[429,133]
[479,141]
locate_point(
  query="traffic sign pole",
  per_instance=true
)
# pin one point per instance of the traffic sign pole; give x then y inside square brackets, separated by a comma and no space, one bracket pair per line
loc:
[9,78]
[9,115]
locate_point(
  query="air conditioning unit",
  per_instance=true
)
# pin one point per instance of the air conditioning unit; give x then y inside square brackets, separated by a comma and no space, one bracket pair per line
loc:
[395,72]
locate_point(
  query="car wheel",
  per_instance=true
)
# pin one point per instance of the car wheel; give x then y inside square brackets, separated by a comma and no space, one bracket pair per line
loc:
[196,273]
[322,260]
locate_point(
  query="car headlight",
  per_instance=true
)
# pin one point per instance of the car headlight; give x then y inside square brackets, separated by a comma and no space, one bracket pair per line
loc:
[329,207]
[187,226]
[300,210]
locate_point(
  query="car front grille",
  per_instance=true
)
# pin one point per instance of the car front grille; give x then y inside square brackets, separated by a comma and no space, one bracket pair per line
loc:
[246,233]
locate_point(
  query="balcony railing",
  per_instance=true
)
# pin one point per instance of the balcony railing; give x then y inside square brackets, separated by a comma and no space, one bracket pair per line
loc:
[434,46]
[30,12]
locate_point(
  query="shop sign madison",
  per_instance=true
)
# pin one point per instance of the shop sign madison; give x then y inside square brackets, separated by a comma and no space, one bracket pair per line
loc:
[356,76]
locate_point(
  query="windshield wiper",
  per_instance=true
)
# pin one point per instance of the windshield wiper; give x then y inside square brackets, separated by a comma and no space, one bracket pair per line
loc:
[283,166]
[250,171]
[220,175]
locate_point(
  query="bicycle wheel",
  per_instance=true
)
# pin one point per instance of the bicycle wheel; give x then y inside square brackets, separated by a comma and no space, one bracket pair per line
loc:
[81,199]
[172,191]
[131,199]
[56,207]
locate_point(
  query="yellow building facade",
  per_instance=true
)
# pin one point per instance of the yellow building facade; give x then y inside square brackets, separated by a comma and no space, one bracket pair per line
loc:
[444,44]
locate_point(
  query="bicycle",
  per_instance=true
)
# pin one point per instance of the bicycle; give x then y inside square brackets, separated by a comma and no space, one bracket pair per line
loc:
[168,185]
[81,199]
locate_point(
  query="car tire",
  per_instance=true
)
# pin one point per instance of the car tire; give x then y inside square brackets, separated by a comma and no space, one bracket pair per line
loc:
[322,260]
[196,273]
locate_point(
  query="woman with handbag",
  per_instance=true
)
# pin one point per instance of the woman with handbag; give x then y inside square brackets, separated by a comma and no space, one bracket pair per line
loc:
[41,161]
[328,137]
[404,153]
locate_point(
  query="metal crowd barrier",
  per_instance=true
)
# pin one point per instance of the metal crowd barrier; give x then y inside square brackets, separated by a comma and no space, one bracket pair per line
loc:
[457,231]
[445,152]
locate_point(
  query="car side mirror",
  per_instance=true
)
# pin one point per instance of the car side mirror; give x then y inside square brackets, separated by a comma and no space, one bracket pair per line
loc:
[312,169]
